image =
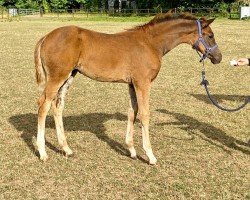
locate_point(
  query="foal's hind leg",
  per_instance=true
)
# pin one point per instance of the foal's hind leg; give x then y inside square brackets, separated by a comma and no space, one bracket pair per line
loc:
[58,106]
[132,112]
[44,103]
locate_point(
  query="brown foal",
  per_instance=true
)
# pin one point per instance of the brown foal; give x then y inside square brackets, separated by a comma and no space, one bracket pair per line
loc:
[133,57]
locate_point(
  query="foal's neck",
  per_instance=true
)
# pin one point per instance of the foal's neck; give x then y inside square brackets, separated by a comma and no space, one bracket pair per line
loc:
[167,35]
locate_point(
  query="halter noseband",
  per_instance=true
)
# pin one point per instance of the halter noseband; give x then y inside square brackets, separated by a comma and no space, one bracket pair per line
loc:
[201,40]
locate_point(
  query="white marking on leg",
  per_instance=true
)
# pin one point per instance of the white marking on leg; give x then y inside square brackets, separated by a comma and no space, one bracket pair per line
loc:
[43,110]
[152,159]
[147,145]
[58,106]
[41,143]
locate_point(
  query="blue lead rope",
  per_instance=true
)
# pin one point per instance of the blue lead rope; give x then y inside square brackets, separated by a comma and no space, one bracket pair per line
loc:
[205,82]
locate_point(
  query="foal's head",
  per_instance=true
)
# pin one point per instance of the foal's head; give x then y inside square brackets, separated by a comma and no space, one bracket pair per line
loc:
[186,28]
[204,41]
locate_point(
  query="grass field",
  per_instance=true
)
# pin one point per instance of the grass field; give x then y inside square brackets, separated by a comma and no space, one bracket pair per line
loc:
[202,152]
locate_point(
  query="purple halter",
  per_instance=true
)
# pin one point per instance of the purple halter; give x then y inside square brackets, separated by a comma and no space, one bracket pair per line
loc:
[202,41]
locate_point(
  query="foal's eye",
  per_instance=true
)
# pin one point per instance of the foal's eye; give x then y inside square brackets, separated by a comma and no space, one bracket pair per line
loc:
[211,36]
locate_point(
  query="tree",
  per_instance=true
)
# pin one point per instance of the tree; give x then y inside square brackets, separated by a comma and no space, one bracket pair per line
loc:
[26,4]
[45,6]
[80,3]
[96,4]
[141,4]
[9,3]
[58,4]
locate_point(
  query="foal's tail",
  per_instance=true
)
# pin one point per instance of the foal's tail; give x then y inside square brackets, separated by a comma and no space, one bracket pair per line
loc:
[40,71]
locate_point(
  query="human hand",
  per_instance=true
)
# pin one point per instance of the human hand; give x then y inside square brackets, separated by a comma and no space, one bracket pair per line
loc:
[242,61]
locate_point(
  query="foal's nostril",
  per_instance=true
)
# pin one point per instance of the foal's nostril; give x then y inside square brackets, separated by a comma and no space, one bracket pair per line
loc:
[216,60]
[219,57]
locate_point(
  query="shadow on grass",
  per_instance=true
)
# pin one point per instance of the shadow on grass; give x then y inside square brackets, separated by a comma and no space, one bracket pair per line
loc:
[92,122]
[220,98]
[212,134]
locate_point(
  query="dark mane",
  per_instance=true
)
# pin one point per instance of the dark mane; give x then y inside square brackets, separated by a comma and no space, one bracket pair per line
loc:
[159,18]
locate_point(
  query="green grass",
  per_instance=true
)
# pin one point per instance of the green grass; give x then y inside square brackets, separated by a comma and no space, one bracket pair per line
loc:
[203,153]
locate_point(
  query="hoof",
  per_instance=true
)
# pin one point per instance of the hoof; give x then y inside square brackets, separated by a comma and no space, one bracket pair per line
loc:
[153,161]
[134,157]
[151,157]
[132,153]
[68,152]
[69,155]
[44,158]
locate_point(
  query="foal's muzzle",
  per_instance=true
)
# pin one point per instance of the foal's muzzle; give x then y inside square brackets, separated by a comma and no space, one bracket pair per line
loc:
[215,57]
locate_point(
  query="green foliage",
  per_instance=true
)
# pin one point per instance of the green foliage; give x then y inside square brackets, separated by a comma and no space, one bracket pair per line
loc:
[58,4]
[81,1]
[8,3]
[94,4]
[223,7]
[26,4]
[45,6]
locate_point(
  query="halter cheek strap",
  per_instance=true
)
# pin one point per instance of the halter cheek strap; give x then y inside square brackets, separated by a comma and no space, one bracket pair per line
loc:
[201,40]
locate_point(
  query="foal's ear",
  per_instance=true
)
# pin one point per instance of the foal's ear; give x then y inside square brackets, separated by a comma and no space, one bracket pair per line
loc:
[206,23]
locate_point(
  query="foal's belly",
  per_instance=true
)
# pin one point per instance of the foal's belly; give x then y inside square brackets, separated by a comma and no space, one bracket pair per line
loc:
[105,73]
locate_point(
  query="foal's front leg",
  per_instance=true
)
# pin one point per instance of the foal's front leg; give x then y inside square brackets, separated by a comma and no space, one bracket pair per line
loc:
[142,93]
